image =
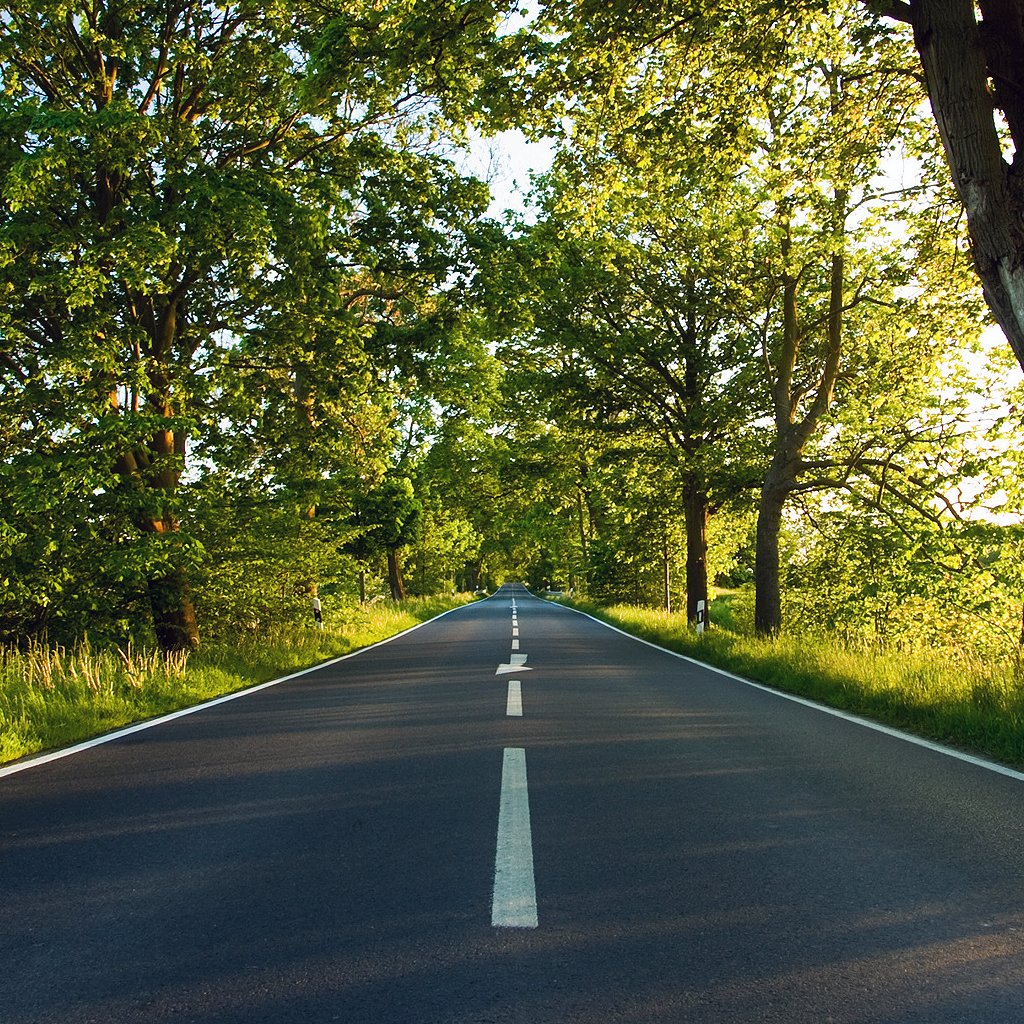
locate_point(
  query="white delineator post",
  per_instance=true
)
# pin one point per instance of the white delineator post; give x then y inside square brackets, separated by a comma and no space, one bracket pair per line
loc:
[702,615]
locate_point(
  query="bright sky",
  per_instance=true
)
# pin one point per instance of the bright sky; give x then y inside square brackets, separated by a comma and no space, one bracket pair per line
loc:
[505,162]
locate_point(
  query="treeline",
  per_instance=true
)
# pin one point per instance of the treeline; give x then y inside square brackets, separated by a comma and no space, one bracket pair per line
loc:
[260,342]
[749,292]
[236,260]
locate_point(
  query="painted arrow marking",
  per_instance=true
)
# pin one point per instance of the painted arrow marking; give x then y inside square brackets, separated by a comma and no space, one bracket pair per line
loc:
[517,664]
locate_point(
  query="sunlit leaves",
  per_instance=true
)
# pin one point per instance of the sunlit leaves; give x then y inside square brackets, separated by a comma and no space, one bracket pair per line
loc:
[229,233]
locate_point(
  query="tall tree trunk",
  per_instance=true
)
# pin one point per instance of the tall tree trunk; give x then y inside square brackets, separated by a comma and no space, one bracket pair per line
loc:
[791,431]
[153,472]
[667,566]
[362,586]
[781,473]
[471,576]
[174,616]
[768,590]
[695,511]
[395,576]
[970,69]
[582,518]
[170,598]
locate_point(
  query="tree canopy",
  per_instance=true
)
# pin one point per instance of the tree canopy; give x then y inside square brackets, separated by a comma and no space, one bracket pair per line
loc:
[261,341]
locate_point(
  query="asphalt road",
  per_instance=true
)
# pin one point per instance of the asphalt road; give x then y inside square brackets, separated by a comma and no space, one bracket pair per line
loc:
[682,847]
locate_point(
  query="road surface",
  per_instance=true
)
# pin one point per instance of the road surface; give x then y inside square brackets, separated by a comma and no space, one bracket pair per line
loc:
[511,816]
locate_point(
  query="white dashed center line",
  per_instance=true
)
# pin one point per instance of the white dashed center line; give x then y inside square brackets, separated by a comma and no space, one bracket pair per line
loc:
[514,706]
[515,894]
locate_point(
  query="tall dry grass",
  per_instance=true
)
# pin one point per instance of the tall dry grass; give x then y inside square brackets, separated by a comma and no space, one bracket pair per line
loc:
[954,696]
[53,696]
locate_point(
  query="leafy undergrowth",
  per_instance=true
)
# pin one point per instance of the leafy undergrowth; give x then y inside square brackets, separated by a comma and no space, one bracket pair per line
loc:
[962,700]
[51,697]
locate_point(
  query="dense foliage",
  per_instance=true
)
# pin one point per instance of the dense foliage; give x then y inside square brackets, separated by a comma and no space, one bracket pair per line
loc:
[231,251]
[260,341]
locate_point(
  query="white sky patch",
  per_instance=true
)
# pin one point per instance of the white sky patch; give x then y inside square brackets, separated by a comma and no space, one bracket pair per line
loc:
[505,161]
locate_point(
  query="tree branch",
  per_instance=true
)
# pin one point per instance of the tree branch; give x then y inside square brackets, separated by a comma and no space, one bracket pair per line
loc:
[896,10]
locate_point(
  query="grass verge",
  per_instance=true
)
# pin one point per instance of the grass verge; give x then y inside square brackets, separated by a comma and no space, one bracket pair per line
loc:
[961,701]
[51,697]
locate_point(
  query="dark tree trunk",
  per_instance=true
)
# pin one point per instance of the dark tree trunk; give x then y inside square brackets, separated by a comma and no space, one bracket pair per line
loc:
[362,586]
[174,616]
[170,597]
[667,567]
[153,471]
[768,590]
[471,576]
[970,68]
[395,581]
[582,518]
[790,436]
[696,516]
[791,432]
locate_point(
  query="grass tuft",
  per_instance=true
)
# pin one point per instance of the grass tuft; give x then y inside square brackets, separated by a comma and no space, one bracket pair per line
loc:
[51,697]
[957,699]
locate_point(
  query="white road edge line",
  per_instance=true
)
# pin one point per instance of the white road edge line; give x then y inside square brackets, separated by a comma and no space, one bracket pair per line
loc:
[919,741]
[56,755]
[514,904]
[514,704]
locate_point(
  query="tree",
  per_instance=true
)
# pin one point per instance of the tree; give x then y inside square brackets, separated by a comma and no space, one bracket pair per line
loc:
[386,518]
[973,70]
[634,293]
[182,177]
[836,285]
[805,113]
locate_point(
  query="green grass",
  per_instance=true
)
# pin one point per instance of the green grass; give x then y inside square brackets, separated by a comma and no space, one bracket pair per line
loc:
[961,700]
[51,697]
